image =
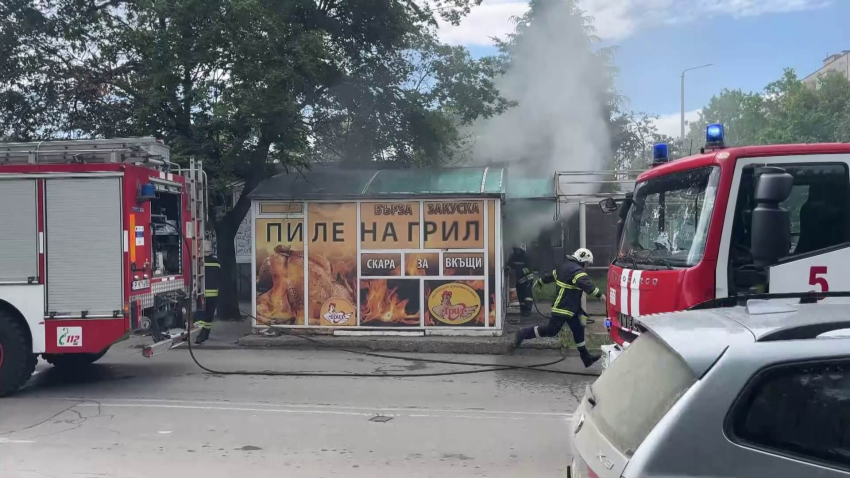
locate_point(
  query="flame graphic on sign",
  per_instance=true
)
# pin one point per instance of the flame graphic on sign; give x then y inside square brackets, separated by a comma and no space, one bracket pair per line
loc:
[383,304]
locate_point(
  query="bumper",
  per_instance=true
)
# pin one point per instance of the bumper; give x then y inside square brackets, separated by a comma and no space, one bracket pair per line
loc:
[611,352]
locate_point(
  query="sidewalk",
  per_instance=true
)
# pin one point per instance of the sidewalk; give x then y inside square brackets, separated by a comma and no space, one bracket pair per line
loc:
[225,334]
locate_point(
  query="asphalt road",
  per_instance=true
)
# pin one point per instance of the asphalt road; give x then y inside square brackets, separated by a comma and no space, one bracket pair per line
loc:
[133,417]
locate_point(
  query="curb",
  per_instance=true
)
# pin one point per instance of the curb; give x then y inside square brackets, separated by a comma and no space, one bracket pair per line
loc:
[432,344]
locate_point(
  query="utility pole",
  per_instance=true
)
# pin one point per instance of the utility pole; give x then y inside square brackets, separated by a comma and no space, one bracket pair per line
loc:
[683,98]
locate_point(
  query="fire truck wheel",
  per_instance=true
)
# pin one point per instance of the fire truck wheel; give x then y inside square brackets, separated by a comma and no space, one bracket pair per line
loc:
[73,361]
[17,361]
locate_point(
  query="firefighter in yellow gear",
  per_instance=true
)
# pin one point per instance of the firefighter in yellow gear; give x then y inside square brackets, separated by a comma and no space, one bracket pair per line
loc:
[212,271]
[572,280]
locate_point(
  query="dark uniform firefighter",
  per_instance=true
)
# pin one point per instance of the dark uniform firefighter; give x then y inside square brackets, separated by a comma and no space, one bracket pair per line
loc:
[572,280]
[211,278]
[520,264]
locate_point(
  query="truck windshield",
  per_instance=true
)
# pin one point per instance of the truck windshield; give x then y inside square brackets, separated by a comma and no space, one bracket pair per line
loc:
[668,221]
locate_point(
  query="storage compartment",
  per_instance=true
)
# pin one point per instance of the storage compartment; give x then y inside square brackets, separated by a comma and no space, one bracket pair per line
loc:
[84,247]
[165,228]
[18,231]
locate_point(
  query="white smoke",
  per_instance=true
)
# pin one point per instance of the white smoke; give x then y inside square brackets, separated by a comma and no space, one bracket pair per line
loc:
[560,122]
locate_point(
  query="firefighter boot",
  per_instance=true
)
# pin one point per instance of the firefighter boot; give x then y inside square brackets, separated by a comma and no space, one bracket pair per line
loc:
[518,339]
[586,357]
[202,337]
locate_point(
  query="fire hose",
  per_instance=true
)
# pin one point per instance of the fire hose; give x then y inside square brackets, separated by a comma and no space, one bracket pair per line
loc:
[481,367]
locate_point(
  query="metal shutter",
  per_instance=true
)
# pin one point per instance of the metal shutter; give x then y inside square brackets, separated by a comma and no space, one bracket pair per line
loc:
[84,246]
[18,230]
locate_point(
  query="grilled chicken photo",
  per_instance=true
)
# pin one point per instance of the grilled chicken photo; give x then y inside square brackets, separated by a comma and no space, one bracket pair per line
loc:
[282,277]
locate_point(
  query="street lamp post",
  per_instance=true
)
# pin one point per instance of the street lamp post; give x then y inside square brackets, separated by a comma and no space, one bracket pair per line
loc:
[683,96]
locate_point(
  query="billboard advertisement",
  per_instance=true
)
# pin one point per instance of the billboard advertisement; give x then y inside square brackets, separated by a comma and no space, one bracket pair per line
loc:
[389,302]
[332,266]
[422,263]
[454,303]
[389,225]
[454,224]
[491,260]
[381,264]
[279,252]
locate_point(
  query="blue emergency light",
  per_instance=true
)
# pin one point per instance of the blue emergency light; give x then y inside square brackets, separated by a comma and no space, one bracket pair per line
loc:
[714,137]
[146,192]
[659,154]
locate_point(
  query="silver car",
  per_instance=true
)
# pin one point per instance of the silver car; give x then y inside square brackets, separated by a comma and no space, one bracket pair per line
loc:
[761,390]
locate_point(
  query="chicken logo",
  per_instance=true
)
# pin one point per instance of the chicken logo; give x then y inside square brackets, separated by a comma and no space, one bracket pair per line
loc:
[335,317]
[454,303]
[337,311]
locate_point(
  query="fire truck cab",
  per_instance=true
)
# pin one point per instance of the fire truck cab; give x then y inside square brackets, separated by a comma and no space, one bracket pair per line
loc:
[727,222]
[98,238]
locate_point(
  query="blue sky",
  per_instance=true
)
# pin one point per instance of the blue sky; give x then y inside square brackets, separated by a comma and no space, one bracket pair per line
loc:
[749,42]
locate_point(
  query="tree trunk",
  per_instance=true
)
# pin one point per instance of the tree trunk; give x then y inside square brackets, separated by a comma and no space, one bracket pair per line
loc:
[225,230]
[228,295]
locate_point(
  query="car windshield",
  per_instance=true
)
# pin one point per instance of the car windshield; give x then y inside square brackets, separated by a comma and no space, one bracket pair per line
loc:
[668,221]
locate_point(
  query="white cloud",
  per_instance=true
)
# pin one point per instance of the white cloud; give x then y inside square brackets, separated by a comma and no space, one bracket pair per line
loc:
[616,19]
[491,19]
[670,125]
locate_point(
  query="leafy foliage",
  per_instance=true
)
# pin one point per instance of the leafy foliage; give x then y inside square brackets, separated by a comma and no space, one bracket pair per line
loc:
[787,111]
[251,87]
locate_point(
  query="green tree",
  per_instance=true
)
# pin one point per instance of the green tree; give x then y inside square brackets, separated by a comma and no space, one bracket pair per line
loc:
[798,114]
[252,87]
[786,112]
[742,115]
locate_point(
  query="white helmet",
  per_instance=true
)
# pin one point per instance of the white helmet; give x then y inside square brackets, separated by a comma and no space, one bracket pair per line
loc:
[584,256]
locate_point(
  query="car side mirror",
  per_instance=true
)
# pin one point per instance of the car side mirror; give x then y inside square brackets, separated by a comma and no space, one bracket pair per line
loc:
[608,205]
[771,233]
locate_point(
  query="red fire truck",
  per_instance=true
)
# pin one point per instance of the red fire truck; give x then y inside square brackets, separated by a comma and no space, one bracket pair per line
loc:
[727,222]
[93,246]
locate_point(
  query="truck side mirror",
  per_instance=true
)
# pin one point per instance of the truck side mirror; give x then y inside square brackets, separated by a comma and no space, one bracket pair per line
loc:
[771,233]
[608,205]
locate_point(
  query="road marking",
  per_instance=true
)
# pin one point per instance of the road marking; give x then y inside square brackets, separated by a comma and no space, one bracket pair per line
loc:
[472,414]
[4,441]
[265,405]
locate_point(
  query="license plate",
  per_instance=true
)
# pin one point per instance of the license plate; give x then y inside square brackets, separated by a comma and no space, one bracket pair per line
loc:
[141,284]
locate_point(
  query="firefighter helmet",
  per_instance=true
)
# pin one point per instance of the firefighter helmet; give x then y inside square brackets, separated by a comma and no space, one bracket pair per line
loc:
[584,256]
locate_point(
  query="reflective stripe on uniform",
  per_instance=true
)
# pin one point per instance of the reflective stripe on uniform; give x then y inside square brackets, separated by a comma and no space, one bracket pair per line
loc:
[529,299]
[596,292]
[558,300]
[579,275]
[211,293]
[203,324]
[212,264]
[536,333]
[555,307]
[580,344]
[565,285]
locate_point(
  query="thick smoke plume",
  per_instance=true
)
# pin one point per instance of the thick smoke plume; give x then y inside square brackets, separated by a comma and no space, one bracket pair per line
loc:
[560,123]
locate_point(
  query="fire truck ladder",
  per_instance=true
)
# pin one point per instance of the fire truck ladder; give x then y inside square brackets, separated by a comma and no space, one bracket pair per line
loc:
[141,151]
